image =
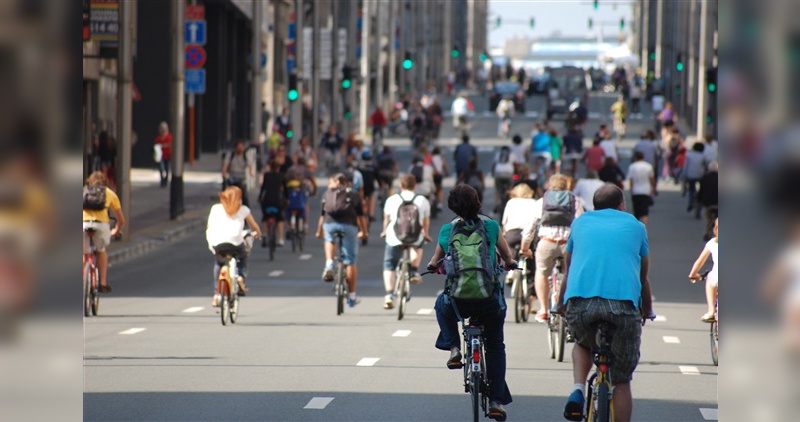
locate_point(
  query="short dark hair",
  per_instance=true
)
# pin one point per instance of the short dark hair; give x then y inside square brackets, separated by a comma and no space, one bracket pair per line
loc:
[608,196]
[463,200]
[638,155]
[465,139]
[699,147]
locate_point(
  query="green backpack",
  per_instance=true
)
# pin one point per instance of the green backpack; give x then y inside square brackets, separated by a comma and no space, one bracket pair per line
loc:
[468,264]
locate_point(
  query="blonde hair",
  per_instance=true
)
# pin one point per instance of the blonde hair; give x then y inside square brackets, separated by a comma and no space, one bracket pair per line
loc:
[163,126]
[522,190]
[231,200]
[558,182]
[97,178]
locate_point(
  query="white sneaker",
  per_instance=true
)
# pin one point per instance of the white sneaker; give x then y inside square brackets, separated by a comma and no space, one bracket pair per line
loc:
[215,300]
[280,242]
[388,302]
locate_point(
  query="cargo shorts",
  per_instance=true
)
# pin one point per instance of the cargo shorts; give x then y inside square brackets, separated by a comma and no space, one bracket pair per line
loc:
[583,316]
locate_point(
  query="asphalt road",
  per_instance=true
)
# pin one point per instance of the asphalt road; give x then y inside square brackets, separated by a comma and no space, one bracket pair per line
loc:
[158,351]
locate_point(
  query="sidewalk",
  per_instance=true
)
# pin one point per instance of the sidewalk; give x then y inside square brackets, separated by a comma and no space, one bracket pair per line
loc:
[149,224]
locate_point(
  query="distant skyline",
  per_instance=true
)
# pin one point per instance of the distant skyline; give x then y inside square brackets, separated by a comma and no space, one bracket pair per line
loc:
[570,18]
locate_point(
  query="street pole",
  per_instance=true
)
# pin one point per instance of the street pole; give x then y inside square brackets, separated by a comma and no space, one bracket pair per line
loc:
[659,38]
[392,53]
[448,36]
[702,95]
[365,73]
[315,84]
[297,106]
[177,108]
[644,30]
[125,109]
[470,41]
[255,69]
[379,36]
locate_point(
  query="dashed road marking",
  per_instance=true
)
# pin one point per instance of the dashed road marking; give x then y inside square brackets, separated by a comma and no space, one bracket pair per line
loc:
[368,361]
[305,257]
[318,403]
[689,370]
[671,339]
[401,333]
[709,414]
[660,318]
[425,311]
[131,331]
[193,309]
[276,273]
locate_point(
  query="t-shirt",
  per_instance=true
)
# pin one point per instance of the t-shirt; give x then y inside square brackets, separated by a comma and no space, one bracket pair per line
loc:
[649,149]
[224,228]
[166,146]
[517,153]
[331,142]
[595,158]
[464,154]
[521,213]
[585,189]
[713,246]
[610,148]
[393,204]
[574,143]
[694,167]
[112,201]
[272,189]
[658,103]
[238,166]
[541,142]
[640,172]
[459,107]
[607,247]
[556,145]
[492,231]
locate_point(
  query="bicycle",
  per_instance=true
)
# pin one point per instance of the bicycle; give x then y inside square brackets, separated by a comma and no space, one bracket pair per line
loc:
[228,283]
[272,221]
[296,230]
[519,288]
[91,278]
[340,288]
[557,324]
[714,329]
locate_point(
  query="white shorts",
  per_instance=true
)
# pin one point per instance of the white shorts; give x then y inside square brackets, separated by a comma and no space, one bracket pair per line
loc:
[713,279]
[102,236]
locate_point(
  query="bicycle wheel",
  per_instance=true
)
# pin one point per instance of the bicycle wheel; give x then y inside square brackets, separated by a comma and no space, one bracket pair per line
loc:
[519,300]
[87,289]
[403,298]
[271,243]
[715,343]
[224,304]
[602,404]
[340,288]
[94,293]
[300,233]
[293,233]
[475,393]
[551,338]
[234,311]
[561,335]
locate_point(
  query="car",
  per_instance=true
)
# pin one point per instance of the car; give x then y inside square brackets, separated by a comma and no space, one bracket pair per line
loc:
[567,84]
[537,85]
[502,89]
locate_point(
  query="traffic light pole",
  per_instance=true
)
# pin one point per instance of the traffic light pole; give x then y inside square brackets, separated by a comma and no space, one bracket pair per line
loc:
[296,110]
[177,60]
[392,95]
[365,72]
[702,94]
[255,70]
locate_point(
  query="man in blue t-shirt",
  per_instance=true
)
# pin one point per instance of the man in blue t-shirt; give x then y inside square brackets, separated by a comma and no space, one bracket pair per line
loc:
[541,148]
[606,280]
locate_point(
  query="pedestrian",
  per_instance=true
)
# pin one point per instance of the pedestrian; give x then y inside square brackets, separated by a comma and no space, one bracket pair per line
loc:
[283,121]
[235,170]
[611,173]
[594,157]
[657,104]
[556,150]
[620,111]
[607,262]
[710,152]
[330,147]
[164,142]
[486,302]
[504,111]
[636,97]
[519,154]
[586,187]
[648,148]
[610,148]
[463,155]
[473,177]
[440,171]
[708,197]
[643,186]
[460,109]
[712,279]
[573,145]
[692,171]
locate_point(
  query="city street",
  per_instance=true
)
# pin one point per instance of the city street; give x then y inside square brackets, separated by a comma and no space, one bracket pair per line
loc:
[157,350]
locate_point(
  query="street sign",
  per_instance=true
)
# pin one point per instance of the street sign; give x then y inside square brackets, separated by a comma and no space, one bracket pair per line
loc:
[195,81]
[195,32]
[195,56]
[195,12]
[325,54]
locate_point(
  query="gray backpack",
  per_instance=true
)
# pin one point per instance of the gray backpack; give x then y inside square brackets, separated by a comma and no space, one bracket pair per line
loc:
[407,226]
[558,208]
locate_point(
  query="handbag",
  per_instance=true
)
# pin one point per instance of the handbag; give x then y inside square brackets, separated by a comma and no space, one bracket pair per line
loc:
[157,153]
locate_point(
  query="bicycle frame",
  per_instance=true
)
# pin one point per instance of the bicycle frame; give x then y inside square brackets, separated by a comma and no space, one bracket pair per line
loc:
[90,291]
[340,274]
[602,359]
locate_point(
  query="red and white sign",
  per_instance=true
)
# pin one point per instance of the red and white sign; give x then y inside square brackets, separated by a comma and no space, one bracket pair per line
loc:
[195,12]
[195,56]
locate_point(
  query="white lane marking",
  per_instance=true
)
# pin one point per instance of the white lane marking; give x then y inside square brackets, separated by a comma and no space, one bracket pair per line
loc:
[401,333]
[689,370]
[368,361]
[318,403]
[671,339]
[424,311]
[660,318]
[193,309]
[131,331]
[709,414]
[276,273]
[305,257]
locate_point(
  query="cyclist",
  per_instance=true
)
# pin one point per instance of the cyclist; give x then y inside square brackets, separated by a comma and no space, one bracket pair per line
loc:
[370,175]
[559,209]
[606,279]
[460,109]
[521,211]
[406,222]
[225,230]
[342,212]
[712,281]
[272,199]
[306,151]
[491,312]
[620,111]
[541,150]
[377,121]
[505,111]
[503,172]
[440,170]
[97,200]
[235,170]
[387,169]
[330,147]
[300,184]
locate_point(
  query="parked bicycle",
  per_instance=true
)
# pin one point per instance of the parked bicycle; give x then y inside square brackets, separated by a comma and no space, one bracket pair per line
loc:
[91,278]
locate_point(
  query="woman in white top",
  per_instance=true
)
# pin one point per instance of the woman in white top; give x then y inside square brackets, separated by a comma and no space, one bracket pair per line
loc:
[440,171]
[307,151]
[712,280]
[225,231]
[521,211]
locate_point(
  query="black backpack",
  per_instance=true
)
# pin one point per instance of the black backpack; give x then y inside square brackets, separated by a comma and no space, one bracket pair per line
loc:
[94,198]
[418,171]
[407,226]
[336,202]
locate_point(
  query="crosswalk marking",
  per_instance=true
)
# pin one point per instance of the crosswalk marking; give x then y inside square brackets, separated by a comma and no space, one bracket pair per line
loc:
[671,339]
[401,333]
[709,414]
[276,273]
[689,370]
[424,311]
[318,403]
[368,361]
[131,331]
[305,257]
[193,309]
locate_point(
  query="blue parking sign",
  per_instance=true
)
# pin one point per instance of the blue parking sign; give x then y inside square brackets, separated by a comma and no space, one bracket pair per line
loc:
[195,32]
[195,81]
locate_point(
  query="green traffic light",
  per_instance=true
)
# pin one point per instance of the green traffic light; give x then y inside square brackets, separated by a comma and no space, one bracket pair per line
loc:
[712,87]
[483,57]
[407,64]
[348,115]
[652,56]
[679,67]
[346,83]
[292,95]
[454,54]
[289,134]
[709,119]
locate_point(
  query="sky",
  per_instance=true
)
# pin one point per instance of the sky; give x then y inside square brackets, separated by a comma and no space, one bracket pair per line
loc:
[570,17]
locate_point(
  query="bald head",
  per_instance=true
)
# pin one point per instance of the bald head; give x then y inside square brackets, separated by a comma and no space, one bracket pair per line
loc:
[608,196]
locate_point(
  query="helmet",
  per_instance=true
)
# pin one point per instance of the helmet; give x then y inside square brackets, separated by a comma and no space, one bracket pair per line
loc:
[366,155]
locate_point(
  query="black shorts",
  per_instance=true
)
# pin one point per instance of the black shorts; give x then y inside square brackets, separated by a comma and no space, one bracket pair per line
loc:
[386,176]
[369,188]
[437,180]
[641,205]
[272,211]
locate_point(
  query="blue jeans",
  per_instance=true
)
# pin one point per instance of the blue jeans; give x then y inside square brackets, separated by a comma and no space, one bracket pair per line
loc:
[492,314]
[349,243]
[163,170]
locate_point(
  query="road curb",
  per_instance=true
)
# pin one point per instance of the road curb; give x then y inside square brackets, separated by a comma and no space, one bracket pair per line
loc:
[144,246]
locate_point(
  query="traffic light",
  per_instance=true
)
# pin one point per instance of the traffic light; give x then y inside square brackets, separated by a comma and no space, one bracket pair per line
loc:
[678,89]
[622,23]
[596,4]
[711,79]
[292,93]
[652,55]
[679,63]
[484,56]
[533,22]
[499,21]
[347,113]
[591,23]
[709,116]
[289,134]
[347,77]
[454,53]
[408,63]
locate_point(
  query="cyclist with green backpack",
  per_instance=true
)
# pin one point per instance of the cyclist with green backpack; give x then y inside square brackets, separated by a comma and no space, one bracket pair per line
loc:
[467,248]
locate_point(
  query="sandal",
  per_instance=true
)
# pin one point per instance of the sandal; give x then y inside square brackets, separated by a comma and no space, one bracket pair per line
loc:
[708,318]
[542,317]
